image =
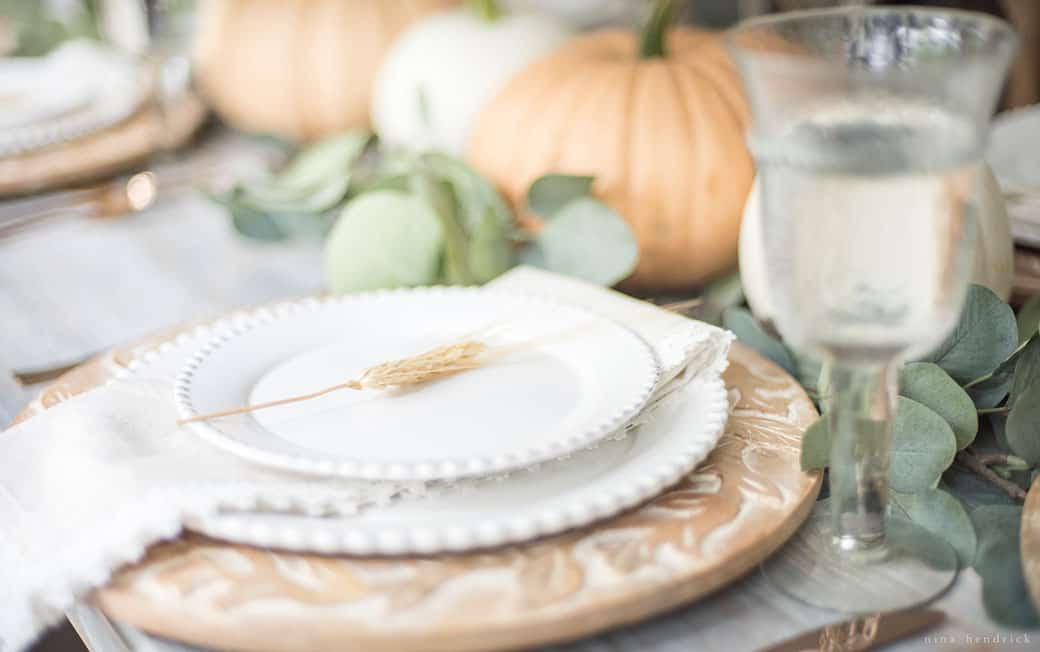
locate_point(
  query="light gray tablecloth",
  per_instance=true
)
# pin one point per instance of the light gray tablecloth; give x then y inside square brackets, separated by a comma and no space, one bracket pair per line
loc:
[75,288]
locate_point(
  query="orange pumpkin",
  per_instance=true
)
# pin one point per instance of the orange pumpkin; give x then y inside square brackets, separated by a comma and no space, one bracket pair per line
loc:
[299,68]
[664,137]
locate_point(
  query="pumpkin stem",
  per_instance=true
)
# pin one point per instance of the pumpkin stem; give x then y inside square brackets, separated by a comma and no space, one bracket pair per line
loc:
[652,43]
[488,10]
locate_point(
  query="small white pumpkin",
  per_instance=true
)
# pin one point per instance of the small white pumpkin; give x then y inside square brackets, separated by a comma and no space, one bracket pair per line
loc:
[444,69]
[586,14]
[994,251]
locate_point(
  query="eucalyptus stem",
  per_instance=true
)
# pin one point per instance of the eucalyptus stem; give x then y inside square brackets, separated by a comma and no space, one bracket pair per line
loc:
[655,34]
[971,460]
[994,410]
[488,10]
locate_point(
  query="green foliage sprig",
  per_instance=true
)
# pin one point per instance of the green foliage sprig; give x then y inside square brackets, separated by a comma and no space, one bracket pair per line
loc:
[966,437]
[406,218]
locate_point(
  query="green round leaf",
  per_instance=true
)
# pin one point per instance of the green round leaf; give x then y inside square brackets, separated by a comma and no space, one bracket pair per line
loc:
[439,197]
[1023,425]
[929,385]
[312,199]
[1028,319]
[989,390]
[490,252]
[725,291]
[383,240]
[816,446]
[255,225]
[331,157]
[923,446]
[550,193]
[972,489]
[984,336]
[1027,369]
[940,513]
[998,562]
[590,241]
[809,370]
[475,195]
[750,333]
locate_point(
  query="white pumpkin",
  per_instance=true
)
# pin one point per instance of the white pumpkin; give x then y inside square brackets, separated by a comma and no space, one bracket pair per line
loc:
[444,69]
[585,14]
[994,251]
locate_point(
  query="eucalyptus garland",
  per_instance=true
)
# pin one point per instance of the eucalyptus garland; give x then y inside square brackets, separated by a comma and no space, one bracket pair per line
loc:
[401,218]
[966,437]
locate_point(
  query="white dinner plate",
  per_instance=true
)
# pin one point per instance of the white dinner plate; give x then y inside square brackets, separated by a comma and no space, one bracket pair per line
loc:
[74,91]
[568,378]
[592,485]
[672,439]
[1014,155]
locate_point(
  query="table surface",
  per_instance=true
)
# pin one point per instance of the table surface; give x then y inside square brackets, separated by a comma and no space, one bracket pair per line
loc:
[77,287]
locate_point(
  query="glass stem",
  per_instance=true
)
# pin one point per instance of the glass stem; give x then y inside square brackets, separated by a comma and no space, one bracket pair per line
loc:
[859,419]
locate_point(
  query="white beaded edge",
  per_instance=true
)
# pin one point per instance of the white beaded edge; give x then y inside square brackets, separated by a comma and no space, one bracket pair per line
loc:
[226,329]
[338,537]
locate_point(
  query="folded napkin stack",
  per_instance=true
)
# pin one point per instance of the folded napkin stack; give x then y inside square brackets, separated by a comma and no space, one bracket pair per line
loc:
[88,485]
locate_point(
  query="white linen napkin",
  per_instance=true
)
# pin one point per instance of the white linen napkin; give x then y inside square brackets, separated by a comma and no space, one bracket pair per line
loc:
[88,485]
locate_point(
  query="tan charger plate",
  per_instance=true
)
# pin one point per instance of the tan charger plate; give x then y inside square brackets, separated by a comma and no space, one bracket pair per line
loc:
[714,526]
[1030,542]
[100,154]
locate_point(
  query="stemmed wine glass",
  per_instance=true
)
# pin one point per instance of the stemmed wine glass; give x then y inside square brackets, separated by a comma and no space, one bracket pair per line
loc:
[869,124]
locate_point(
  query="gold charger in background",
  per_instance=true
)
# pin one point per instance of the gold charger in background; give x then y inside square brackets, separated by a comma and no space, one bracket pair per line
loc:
[101,154]
[714,526]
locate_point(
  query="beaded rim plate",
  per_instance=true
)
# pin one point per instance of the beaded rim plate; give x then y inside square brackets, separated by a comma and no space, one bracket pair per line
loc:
[111,93]
[683,429]
[569,394]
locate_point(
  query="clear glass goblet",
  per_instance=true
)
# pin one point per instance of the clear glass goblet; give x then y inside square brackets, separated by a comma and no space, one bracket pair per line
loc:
[868,126]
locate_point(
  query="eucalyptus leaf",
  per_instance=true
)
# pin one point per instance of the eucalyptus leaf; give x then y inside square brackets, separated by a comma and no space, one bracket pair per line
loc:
[992,433]
[941,514]
[255,225]
[1023,425]
[923,446]
[989,392]
[315,181]
[439,196]
[816,446]
[725,291]
[590,241]
[1028,319]
[809,372]
[383,239]
[550,193]
[751,333]
[972,489]
[315,199]
[327,158]
[990,389]
[984,336]
[929,385]
[998,562]
[1027,370]
[490,253]
[475,195]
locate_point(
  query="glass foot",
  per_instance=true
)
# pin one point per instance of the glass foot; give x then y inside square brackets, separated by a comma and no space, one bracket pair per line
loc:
[912,567]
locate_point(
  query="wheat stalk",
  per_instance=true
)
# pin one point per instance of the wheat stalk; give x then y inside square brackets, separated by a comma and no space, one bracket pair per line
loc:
[432,365]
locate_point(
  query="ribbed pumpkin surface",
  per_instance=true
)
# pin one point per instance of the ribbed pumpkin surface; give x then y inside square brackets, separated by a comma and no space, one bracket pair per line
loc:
[299,68]
[664,138]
